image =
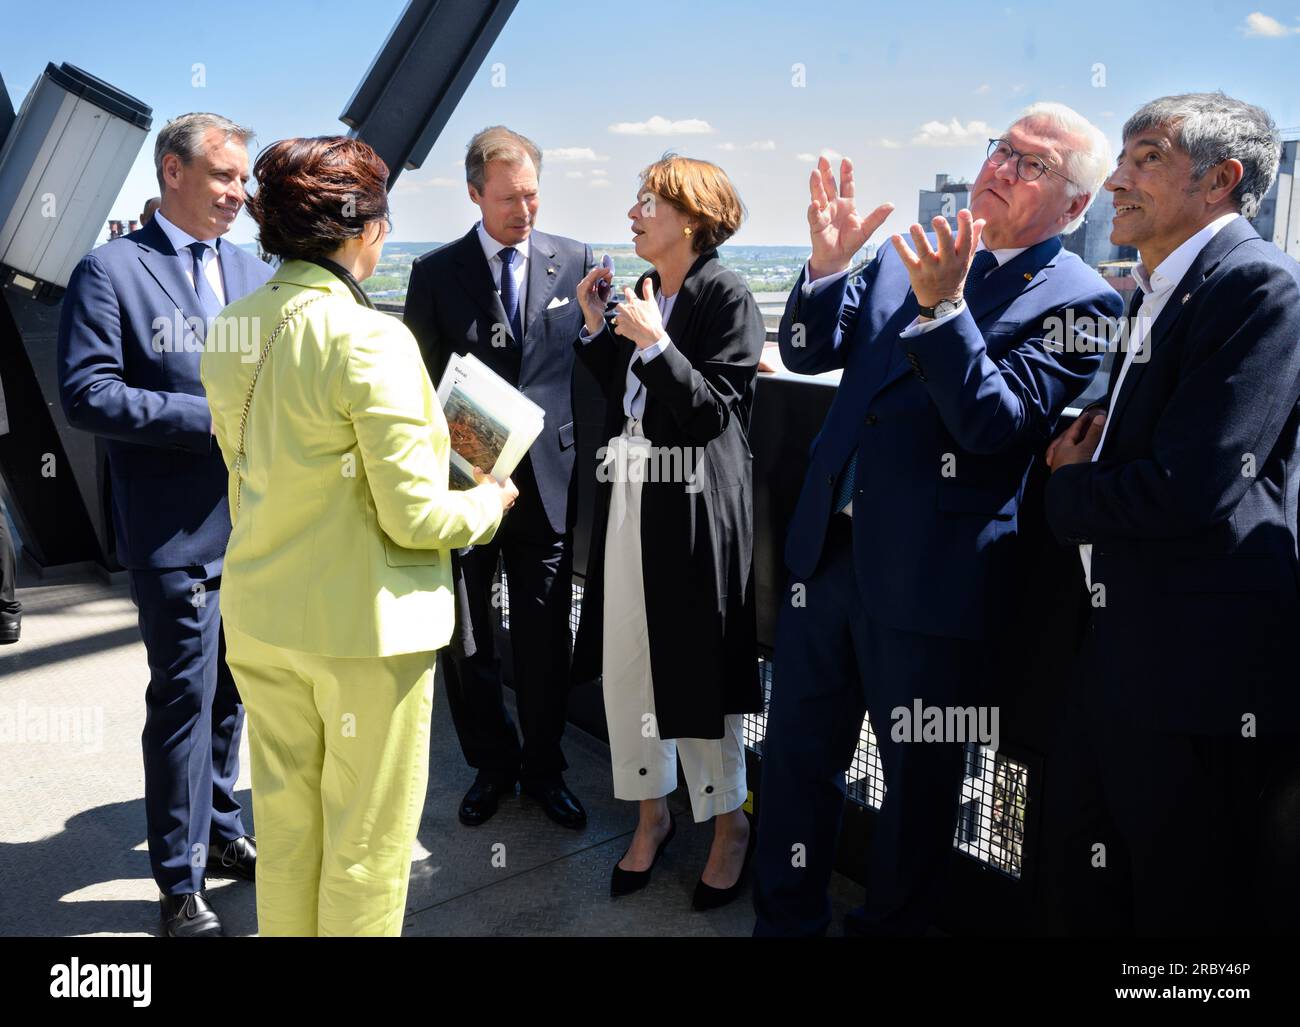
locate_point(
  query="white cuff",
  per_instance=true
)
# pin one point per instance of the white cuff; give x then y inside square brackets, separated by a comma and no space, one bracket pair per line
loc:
[810,287]
[584,337]
[917,327]
[650,352]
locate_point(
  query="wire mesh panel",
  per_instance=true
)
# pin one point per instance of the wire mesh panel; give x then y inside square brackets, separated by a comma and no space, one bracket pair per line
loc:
[991,813]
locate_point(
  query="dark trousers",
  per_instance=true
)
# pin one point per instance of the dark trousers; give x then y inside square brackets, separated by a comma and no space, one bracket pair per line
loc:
[833,663]
[1161,831]
[193,721]
[539,572]
[8,567]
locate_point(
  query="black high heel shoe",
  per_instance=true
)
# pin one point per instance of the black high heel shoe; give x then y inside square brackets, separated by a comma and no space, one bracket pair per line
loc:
[624,882]
[707,897]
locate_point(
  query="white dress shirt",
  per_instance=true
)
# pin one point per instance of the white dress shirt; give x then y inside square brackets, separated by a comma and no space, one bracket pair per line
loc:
[519,268]
[181,239]
[634,389]
[1157,287]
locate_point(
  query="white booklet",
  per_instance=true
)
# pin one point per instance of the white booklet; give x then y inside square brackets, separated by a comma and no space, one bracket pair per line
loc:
[492,423]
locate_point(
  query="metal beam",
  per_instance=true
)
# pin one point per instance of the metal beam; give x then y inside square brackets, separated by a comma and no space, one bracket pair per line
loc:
[419,76]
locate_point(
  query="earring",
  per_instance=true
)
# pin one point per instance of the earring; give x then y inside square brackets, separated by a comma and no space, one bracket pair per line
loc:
[686,230]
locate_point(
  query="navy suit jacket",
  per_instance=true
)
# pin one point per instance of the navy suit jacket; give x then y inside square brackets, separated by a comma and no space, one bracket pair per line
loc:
[946,425]
[1191,504]
[452,306]
[127,378]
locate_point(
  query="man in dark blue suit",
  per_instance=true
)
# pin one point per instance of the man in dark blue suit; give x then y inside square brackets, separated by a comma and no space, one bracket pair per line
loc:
[900,542]
[134,321]
[1180,489]
[506,293]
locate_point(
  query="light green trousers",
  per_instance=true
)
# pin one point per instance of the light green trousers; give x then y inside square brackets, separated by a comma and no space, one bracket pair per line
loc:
[340,761]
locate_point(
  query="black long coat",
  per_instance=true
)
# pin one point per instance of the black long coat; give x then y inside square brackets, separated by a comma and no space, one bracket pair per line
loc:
[697,539]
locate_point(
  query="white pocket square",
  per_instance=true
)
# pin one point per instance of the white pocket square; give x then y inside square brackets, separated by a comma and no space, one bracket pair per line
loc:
[557,302]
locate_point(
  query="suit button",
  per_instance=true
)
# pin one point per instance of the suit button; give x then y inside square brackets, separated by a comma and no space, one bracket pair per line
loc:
[708,789]
[641,771]
[872,418]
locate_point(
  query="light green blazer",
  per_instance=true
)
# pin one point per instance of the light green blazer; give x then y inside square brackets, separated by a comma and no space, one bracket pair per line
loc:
[340,545]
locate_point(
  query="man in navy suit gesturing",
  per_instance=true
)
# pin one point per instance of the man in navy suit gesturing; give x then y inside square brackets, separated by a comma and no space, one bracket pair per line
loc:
[1180,490]
[899,544]
[134,321]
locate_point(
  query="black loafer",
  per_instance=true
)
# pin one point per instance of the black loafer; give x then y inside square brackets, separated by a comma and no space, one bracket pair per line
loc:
[234,859]
[625,882]
[190,916]
[707,897]
[481,801]
[11,625]
[560,804]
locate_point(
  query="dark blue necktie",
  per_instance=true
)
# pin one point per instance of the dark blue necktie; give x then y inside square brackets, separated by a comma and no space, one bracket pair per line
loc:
[982,263]
[977,276]
[208,302]
[510,293]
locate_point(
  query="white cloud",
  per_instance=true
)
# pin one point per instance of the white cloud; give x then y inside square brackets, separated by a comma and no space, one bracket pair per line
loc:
[410,184]
[660,126]
[984,90]
[952,133]
[598,183]
[574,174]
[1260,24]
[766,145]
[890,144]
[726,146]
[811,158]
[599,171]
[569,154]
[1018,88]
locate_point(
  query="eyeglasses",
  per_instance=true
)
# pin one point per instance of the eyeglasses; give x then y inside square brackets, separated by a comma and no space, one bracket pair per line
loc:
[1029,166]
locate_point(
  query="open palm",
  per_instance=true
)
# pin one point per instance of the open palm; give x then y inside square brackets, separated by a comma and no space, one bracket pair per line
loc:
[834,225]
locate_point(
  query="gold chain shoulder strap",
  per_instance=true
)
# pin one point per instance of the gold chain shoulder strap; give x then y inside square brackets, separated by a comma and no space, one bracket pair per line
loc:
[248,400]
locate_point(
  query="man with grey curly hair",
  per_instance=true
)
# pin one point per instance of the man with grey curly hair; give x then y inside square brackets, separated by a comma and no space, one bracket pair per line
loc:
[1180,490]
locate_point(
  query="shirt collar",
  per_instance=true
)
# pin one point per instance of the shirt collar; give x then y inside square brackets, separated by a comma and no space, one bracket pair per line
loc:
[1003,255]
[178,237]
[1169,272]
[491,247]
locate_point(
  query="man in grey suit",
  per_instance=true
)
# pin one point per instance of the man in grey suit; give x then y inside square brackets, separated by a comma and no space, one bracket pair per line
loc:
[507,294]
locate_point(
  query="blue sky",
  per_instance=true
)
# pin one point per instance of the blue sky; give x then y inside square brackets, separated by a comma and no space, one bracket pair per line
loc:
[907,90]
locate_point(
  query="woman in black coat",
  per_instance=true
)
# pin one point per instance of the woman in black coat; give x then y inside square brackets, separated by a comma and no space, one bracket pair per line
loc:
[668,611]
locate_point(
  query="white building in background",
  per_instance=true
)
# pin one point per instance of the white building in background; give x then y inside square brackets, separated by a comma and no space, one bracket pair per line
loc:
[1278,219]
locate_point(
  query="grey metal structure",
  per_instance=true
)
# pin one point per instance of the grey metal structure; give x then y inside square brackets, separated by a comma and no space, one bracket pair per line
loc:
[419,76]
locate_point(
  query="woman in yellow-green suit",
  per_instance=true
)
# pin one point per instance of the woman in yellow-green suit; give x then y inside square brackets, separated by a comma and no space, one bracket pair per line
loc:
[337,585]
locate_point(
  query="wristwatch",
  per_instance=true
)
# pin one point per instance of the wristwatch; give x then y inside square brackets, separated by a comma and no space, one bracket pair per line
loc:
[941,309]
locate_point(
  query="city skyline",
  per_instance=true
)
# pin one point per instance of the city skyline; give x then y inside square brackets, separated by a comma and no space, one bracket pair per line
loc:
[605,113]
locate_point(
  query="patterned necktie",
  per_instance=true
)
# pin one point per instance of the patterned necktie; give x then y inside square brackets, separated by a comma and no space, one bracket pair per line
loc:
[977,276]
[510,293]
[208,302]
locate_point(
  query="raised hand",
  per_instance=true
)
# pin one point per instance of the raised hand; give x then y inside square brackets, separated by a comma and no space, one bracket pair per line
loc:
[834,225]
[940,274]
[638,317]
[593,307]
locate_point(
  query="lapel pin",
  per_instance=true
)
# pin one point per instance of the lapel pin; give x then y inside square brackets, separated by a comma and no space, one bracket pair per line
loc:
[1028,277]
[550,270]
[1186,297]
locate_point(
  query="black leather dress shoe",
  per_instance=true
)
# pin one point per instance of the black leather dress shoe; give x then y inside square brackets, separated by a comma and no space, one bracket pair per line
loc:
[11,626]
[234,859]
[625,882]
[707,897]
[481,801]
[190,916]
[560,804]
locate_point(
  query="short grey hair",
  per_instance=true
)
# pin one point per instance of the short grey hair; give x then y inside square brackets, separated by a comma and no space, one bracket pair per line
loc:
[1086,167]
[1213,127]
[498,143]
[183,136]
